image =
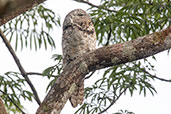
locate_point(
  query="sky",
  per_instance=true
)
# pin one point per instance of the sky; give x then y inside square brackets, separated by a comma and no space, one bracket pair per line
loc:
[37,61]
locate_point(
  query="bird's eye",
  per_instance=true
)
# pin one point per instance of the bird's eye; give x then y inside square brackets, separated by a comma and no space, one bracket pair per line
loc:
[80,14]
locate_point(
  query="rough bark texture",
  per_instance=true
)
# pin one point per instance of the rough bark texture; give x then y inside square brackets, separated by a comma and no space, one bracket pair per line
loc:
[9,9]
[101,58]
[2,107]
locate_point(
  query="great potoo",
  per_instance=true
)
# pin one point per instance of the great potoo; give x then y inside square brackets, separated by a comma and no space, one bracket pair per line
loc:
[79,37]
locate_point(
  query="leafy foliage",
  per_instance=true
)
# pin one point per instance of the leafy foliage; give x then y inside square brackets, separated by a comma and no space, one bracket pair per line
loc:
[116,80]
[115,21]
[129,19]
[32,29]
[53,71]
[124,112]
[11,90]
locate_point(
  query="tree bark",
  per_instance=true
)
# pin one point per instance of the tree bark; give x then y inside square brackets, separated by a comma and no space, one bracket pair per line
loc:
[121,53]
[10,9]
[2,107]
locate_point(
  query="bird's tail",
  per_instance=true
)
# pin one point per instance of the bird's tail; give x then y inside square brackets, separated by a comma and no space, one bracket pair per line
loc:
[78,95]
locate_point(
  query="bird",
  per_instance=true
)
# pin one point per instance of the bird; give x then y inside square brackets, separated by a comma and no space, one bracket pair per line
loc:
[78,38]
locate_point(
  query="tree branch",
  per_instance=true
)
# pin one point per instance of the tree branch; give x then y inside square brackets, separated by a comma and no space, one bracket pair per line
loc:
[17,61]
[10,9]
[2,107]
[40,74]
[161,79]
[87,77]
[93,5]
[101,58]
[154,76]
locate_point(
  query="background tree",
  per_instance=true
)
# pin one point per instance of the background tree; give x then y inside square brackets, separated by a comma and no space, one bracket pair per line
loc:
[115,22]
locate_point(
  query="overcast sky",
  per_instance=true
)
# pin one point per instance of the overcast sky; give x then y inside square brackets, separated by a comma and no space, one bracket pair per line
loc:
[37,61]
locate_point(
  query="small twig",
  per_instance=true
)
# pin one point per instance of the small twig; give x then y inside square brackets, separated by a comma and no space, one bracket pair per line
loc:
[114,100]
[17,61]
[13,102]
[109,36]
[39,74]
[93,5]
[153,76]
[34,73]
[90,75]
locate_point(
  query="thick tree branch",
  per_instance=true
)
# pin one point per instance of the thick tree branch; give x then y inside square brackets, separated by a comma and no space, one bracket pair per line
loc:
[10,9]
[101,58]
[17,61]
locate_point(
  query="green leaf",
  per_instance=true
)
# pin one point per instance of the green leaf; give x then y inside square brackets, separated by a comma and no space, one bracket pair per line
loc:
[27,27]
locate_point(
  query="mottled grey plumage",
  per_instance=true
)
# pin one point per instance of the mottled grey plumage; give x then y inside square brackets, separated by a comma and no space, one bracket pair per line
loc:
[78,38]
